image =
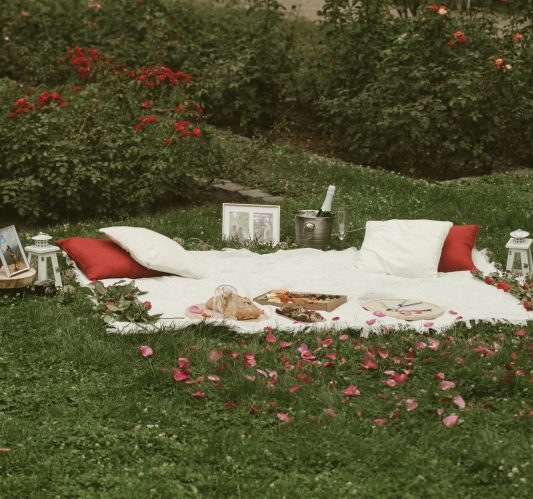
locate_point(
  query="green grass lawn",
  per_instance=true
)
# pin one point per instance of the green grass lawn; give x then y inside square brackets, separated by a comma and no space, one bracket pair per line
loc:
[83,415]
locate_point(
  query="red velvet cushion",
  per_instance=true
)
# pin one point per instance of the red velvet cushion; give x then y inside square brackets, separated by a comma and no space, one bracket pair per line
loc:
[103,259]
[457,250]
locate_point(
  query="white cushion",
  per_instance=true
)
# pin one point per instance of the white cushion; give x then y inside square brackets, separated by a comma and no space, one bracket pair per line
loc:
[155,251]
[404,248]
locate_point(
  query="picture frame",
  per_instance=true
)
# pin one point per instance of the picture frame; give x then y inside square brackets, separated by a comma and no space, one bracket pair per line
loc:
[12,257]
[247,222]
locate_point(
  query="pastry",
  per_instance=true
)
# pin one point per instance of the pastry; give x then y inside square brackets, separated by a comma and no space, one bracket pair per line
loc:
[234,306]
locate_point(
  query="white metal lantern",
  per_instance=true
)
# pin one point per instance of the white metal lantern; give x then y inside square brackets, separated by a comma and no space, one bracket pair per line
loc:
[44,252]
[519,251]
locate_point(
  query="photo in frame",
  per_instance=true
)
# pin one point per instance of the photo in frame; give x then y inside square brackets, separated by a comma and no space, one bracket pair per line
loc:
[246,222]
[12,255]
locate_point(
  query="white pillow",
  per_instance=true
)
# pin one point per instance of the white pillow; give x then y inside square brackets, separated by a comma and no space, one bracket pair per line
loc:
[404,248]
[155,251]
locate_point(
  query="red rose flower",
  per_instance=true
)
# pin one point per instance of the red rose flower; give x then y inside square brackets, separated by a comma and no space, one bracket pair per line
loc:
[504,285]
[527,304]
[489,280]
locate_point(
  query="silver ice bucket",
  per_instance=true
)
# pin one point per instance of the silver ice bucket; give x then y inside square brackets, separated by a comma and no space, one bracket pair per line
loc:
[312,231]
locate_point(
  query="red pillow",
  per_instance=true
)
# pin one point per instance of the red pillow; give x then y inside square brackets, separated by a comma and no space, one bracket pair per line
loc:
[457,250]
[103,259]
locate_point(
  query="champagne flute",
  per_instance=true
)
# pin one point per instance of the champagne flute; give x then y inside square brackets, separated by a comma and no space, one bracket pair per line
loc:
[340,217]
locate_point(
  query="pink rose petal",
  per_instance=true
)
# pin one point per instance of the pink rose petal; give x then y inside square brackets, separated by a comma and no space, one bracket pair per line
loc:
[440,411]
[145,351]
[369,364]
[370,321]
[293,388]
[439,376]
[446,385]
[285,344]
[328,411]
[213,377]
[351,391]
[270,338]
[410,405]
[459,402]
[336,318]
[344,337]
[215,355]
[180,375]
[520,332]
[391,383]
[284,416]
[450,420]
[380,421]
[452,312]
[428,324]
[379,313]
[254,408]
[433,344]
[194,309]
[183,362]
[198,395]
[421,345]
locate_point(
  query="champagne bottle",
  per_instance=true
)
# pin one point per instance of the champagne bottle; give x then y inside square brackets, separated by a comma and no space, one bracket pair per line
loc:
[325,211]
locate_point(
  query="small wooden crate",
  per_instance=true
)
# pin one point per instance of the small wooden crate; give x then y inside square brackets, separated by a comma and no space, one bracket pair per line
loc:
[311,301]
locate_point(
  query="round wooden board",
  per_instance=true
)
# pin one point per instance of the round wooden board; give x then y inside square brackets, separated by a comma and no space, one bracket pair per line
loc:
[408,310]
[217,315]
[21,280]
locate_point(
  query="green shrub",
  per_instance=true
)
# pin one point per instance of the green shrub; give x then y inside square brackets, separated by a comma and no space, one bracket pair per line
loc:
[239,56]
[431,99]
[120,143]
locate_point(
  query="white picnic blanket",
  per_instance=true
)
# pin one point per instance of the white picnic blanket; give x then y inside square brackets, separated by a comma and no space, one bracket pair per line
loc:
[462,296]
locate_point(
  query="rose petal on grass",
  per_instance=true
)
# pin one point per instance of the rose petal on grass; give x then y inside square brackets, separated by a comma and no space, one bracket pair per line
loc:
[421,344]
[294,388]
[433,344]
[198,395]
[390,383]
[230,405]
[344,337]
[270,338]
[369,364]
[459,402]
[213,377]
[284,416]
[214,355]
[351,391]
[179,375]
[439,376]
[450,420]
[285,344]
[381,421]
[183,362]
[440,411]
[328,411]
[145,351]
[446,385]
[255,408]
[410,405]
[520,332]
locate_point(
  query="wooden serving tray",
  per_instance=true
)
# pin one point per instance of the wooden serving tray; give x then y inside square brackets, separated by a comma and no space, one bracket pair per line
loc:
[311,301]
[21,280]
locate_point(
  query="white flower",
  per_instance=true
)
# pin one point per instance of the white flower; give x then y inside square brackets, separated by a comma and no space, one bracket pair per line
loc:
[442,11]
